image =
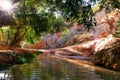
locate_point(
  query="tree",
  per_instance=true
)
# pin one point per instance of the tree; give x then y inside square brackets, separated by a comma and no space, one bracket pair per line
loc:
[28,16]
[79,10]
[109,4]
[39,16]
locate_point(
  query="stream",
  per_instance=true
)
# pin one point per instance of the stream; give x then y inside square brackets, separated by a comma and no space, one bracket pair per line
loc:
[52,68]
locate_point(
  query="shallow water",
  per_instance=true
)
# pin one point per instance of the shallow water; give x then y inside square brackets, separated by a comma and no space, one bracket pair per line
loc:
[48,68]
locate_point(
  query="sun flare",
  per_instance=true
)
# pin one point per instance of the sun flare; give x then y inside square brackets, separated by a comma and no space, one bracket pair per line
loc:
[5,5]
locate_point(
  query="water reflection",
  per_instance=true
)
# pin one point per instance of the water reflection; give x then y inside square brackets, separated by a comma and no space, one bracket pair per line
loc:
[54,69]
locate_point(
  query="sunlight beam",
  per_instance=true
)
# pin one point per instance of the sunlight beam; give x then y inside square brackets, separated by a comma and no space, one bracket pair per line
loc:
[5,5]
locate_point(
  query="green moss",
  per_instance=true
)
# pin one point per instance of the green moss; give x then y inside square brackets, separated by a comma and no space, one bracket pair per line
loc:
[29,57]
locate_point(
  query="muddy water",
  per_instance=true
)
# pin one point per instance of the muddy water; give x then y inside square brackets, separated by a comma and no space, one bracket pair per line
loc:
[52,68]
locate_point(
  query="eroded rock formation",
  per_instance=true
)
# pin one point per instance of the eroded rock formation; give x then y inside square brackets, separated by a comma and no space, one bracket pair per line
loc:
[110,57]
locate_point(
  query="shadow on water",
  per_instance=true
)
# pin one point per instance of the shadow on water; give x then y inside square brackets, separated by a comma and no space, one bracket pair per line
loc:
[48,68]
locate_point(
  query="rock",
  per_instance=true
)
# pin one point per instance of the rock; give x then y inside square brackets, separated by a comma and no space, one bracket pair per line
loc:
[79,39]
[7,58]
[63,52]
[40,44]
[16,56]
[110,57]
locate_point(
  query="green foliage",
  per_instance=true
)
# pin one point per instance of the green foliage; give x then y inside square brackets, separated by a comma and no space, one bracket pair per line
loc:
[34,17]
[13,35]
[118,23]
[39,16]
[43,23]
[40,24]
[25,59]
[40,19]
[59,24]
[96,7]
[117,34]
[30,36]
[22,59]
[109,4]
[37,53]
[29,57]
[79,10]
[65,33]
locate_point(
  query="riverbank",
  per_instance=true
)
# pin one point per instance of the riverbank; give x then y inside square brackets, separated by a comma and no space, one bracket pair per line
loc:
[103,52]
[85,52]
[11,56]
